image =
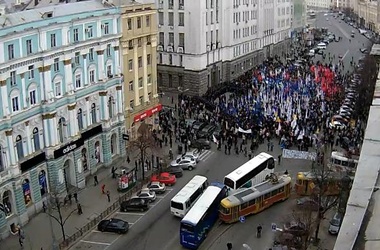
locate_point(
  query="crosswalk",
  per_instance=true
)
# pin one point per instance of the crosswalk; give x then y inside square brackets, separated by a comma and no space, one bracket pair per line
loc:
[205,155]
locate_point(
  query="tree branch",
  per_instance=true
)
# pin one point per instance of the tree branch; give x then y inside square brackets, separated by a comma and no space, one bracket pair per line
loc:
[55,218]
[69,216]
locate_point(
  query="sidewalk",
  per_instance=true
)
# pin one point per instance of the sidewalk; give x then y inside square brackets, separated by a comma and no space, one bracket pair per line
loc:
[43,232]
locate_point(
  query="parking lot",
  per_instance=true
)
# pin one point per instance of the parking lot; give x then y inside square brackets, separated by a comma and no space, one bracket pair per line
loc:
[97,240]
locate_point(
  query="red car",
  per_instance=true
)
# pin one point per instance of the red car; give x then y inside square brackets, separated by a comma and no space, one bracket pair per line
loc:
[166,178]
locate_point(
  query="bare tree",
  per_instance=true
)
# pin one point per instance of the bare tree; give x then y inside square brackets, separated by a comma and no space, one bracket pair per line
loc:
[145,145]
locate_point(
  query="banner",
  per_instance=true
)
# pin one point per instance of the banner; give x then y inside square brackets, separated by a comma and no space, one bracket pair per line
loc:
[301,155]
[249,131]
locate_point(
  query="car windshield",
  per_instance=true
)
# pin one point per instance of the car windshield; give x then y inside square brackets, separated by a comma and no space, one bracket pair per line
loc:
[151,192]
[178,160]
[335,222]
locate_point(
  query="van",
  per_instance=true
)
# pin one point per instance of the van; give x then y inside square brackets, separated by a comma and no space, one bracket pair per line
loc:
[335,223]
[321,46]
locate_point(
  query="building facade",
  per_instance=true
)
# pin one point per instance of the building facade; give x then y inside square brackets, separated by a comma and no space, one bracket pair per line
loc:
[139,35]
[62,102]
[205,43]
[299,15]
[367,13]
[320,4]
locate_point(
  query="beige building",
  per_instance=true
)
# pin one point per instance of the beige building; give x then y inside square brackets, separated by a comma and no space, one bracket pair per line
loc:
[139,32]
[367,12]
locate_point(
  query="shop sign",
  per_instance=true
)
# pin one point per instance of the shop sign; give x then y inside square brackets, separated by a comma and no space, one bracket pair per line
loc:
[148,113]
[68,148]
[32,162]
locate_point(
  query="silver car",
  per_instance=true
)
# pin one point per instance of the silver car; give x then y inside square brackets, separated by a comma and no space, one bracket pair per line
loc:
[157,187]
[184,162]
[190,154]
[147,194]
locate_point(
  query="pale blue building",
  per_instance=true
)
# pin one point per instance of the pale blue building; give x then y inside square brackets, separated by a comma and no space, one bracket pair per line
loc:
[61,112]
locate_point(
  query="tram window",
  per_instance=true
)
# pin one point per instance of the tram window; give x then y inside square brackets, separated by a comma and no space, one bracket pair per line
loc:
[251,202]
[244,205]
[274,192]
[337,162]
[267,196]
[344,163]
[281,189]
[225,210]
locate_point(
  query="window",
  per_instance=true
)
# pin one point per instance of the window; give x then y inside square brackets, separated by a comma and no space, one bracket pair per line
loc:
[62,129]
[2,165]
[29,49]
[147,21]
[266,196]
[13,78]
[106,28]
[139,22]
[161,18]
[130,44]
[110,106]
[19,147]
[181,38]
[129,23]
[78,81]
[148,59]
[6,202]
[15,104]
[180,80]
[217,16]
[32,97]
[80,119]
[58,89]
[140,82]
[170,81]
[53,41]
[56,65]
[36,139]
[140,61]
[212,17]
[171,19]
[11,52]
[180,60]
[181,19]
[91,55]
[130,64]
[139,42]
[171,38]
[77,58]
[130,87]
[43,182]
[31,71]
[89,32]
[108,50]
[148,40]
[141,99]
[109,71]
[149,79]
[170,59]
[131,105]
[161,39]
[181,3]
[26,191]
[76,35]
[170,4]
[92,75]
[93,113]
[160,58]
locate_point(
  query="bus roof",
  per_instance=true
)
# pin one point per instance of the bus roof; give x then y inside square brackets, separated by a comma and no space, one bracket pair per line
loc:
[183,195]
[258,190]
[247,167]
[342,157]
[201,206]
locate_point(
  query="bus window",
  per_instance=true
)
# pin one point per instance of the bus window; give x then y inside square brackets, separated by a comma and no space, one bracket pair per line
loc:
[337,162]
[187,228]
[270,164]
[344,163]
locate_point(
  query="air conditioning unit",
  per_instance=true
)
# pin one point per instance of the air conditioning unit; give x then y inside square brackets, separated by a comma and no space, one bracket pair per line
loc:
[180,50]
[160,48]
[172,27]
[170,49]
[208,48]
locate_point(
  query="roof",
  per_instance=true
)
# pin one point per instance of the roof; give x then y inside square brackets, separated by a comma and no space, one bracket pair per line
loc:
[201,206]
[58,10]
[189,188]
[251,193]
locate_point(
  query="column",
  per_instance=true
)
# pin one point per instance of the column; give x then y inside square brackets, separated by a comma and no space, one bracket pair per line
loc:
[42,86]
[68,76]
[117,60]
[29,146]
[11,147]
[119,100]
[23,90]
[85,70]
[72,121]
[88,112]
[47,83]
[53,123]
[136,75]
[145,74]
[103,105]
[100,64]
[47,131]
[4,97]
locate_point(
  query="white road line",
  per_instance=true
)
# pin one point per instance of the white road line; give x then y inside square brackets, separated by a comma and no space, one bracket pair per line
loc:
[96,243]
[208,156]
[128,213]
[112,242]
[345,54]
[204,155]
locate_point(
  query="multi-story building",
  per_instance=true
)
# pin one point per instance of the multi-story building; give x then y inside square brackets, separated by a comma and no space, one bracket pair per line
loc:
[204,43]
[367,12]
[343,4]
[320,4]
[139,32]
[62,102]
[299,15]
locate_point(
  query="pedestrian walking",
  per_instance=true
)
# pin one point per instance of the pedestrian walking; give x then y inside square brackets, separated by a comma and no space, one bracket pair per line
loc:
[21,241]
[113,171]
[79,207]
[271,146]
[44,206]
[268,144]
[108,196]
[229,245]
[69,196]
[279,159]
[103,188]
[96,180]
[128,160]
[75,197]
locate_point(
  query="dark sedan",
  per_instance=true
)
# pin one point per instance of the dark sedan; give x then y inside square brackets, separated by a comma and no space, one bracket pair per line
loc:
[113,225]
[206,132]
[134,204]
[201,143]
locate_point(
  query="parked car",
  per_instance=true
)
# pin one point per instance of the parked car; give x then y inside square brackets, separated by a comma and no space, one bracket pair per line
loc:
[217,133]
[157,187]
[176,171]
[165,177]
[188,163]
[187,123]
[146,194]
[201,143]
[308,203]
[134,204]
[296,228]
[206,132]
[113,225]
[192,154]
[335,223]
[198,125]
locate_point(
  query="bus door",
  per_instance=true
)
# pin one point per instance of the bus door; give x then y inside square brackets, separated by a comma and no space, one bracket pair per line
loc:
[235,213]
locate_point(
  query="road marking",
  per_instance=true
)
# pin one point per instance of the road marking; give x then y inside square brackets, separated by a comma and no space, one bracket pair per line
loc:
[112,242]
[345,54]
[204,156]
[159,197]
[96,243]
[208,156]
[128,213]
[342,30]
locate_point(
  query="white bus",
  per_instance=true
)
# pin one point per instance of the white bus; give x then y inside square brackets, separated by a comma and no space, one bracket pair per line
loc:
[250,173]
[188,195]
[342,163]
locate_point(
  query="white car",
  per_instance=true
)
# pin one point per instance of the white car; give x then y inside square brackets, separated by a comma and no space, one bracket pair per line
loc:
[157,187]
[191,154]
[184,162]
[147,194]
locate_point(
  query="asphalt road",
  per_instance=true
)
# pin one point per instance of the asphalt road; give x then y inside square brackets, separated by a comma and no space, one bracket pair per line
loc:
[158,229]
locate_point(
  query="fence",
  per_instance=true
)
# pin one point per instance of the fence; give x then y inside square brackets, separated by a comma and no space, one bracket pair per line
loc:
[111,209]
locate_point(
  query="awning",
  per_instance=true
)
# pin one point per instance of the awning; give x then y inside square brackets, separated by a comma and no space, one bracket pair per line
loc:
[147,113]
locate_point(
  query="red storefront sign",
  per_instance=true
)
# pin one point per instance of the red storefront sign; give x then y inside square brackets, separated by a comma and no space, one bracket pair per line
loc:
[148,113]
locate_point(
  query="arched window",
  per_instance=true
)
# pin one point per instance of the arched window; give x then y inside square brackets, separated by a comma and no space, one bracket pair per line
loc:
[62,129]
[6,203]
[36,139]
[97,152]
[19,147]
[26,191]
[84,159]
[110,106]
[2,162]
[80,119]
[43,182]
[113,144]
[93,113]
